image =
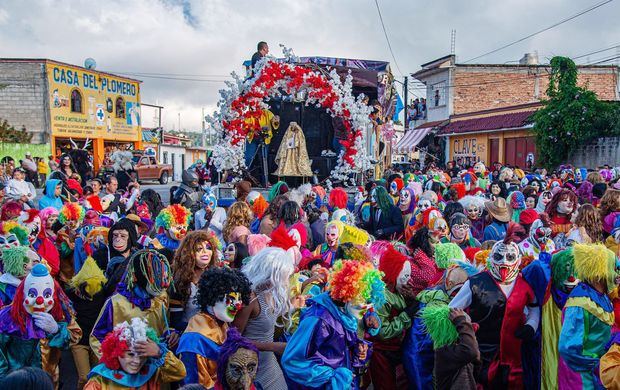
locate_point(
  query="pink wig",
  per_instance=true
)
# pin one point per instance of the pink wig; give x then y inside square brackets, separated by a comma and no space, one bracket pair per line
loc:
[257,242]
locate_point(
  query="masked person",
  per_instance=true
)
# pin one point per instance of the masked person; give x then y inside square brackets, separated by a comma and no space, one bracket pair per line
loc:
[188,194]
[237,363]
[35,314]
[133,357]
[171,224]
[539,239]
[70,217]
[221,294]
[460,233]
[497,299]
[386,220]
[328,250]
[140,294]
[112,259]
[17,261]
[325,351]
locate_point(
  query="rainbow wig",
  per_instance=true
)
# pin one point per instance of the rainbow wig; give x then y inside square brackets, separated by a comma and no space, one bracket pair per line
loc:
[13,227]
[356,281]
[148,269]
[71,212]
[594,262]
[172,215]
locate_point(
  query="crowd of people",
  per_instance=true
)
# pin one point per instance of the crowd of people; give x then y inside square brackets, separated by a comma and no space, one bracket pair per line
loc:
[449,278]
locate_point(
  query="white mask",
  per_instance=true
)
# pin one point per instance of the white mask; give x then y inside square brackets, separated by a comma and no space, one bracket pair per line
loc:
[226,309]
[403,276]
[358,311]
[38,290]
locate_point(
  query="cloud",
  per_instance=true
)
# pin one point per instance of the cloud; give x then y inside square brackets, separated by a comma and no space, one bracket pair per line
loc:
[208,39]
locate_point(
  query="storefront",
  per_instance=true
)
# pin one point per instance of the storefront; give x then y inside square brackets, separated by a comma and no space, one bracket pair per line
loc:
[503,136]
[87,105]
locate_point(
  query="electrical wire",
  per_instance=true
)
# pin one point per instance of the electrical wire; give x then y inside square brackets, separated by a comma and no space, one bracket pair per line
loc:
[595,52]
[585,11]
[388,39]
[604,60]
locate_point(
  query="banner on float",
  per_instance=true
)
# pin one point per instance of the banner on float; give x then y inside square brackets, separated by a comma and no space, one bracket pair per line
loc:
[91,104]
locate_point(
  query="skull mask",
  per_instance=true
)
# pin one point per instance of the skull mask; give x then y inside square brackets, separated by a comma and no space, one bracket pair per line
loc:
[504,261]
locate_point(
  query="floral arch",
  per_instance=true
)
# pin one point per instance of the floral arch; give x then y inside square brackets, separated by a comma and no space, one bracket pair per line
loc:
[244,99]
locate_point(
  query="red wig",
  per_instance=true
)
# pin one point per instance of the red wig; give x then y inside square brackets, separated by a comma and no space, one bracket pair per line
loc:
[392,263]
[281,239]
[460,189]
[10,210]
[32,213]
[259,207]
[112,348]
[338,198]
[399,183]
[470,253]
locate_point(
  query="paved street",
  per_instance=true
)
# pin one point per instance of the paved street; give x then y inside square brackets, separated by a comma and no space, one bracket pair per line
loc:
[162,190]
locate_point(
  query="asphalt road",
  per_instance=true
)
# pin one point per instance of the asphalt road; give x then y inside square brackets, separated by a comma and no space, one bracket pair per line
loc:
[162,190]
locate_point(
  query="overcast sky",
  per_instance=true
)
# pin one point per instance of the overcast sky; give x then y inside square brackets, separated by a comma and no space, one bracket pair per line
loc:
[209,39]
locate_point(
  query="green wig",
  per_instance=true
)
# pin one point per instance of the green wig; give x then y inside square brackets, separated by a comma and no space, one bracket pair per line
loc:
[14,259]
[384,200]
[562,267]
[436,320]
[447,253]
[278,189]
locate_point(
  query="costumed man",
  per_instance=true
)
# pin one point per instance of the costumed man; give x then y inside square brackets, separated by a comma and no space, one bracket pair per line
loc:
[237,363]
[560,210]
[37,313]
[140,294]
[70,217]
[292,157]
[460,233]
[325,351]
[221,294]
[587,317]
[188,194]
[213,216]
[406,204]
[497,300]
[261,127]
[328,250]
[133,357]
[539,239]
[171,225]
[563,281]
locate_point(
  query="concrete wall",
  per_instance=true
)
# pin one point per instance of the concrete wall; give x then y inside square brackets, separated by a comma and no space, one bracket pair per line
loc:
[23,98]
[600,152]
[439,81]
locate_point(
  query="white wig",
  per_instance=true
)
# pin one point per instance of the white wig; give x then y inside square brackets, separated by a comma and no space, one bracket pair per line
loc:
[299,194]
[468,200]
[269,272]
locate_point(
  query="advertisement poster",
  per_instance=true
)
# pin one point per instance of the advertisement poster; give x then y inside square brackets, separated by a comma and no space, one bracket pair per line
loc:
[90,104]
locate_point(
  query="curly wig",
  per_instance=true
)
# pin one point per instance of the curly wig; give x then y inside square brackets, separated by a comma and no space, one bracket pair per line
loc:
[436,320]
[447,253]
[12,227]
[216,283]
[10,210]
[239,214]
[14,259]
[377,248]
[338,198]
[234,342]
[392,262]
[562,268]
[71,212]
[589,218]
[121,339]
[184,262]
[174,214]
[356,282]
[610,202]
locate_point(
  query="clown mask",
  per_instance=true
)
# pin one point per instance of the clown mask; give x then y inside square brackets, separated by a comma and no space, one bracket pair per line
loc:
[230,253]
[565,206]
[38,290]
[360,196]
[204,254]
[459,232]
[9,241]
[438,229]
[226,309]
[479,169]
[546,197]
[177,232]
[405,200]
[332,234]
[241,369]
[540,234]
[504,261]
[393,188]
[403,277]
[424,205]
[358,310]
[34,228]
[473,212]
[536,186]
[373,198]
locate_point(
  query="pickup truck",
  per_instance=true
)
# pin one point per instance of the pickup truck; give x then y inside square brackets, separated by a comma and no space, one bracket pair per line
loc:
[147,168]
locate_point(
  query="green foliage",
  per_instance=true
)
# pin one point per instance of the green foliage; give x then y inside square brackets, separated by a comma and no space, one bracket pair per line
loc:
[9,134]
[571,116]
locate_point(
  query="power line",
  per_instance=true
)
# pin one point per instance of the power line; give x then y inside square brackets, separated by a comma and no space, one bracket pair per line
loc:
[604,60]
[596,52]
[591,8]
[387,38]
[170,78]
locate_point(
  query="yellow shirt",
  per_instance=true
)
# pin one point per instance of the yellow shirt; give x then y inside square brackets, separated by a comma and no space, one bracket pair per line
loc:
[42,167]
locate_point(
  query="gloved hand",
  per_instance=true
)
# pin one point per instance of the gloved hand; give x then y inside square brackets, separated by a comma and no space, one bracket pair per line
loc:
[526,332]
[46,322]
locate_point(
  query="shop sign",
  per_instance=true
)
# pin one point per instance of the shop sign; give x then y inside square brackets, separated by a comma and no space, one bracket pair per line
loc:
[468,151]
[89,104]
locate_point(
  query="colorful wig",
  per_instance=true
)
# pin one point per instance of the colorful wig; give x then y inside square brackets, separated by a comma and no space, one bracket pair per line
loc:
[149,270]
[14,259]
[90,279]
[391,264]
[172,215]
[13,227]
[259,206]
[516,203]
[10,210]
[447,254]
[71,212]
[412,203]
[280,188]
[338,198]
[377,248]
[594,263]
[45,213]
[234,342]
[436,320]
[562,268]
[384,200]
[122,338]
[356,282]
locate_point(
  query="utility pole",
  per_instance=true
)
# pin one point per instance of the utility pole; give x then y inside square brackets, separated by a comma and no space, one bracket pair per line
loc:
[179,122]
[204,135]
[406,103]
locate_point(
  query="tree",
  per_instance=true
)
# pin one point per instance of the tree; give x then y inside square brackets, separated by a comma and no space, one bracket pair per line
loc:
[8,134]
[570,117]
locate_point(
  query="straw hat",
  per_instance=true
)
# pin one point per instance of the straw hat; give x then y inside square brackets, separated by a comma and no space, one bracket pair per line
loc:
[498,209]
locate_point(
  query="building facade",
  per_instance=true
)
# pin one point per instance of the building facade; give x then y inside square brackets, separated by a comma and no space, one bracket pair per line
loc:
[64,104]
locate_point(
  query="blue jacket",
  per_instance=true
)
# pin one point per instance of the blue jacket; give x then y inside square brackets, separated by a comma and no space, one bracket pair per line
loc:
[48,199]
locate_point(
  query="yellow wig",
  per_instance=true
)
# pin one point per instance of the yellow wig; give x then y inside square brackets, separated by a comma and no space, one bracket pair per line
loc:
[594,262]
[353,235]
[90,276]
